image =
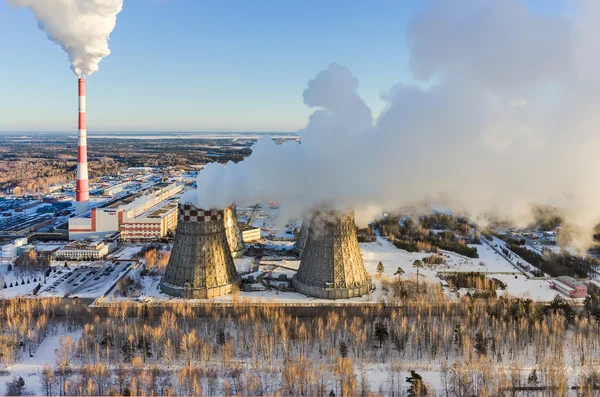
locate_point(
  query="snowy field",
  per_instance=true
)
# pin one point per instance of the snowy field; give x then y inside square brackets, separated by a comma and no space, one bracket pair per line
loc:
[30,367]
[490,262]
[17,289]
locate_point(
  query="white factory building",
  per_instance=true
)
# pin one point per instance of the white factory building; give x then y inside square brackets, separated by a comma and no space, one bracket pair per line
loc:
[77,251]
[146,215]
[250,235]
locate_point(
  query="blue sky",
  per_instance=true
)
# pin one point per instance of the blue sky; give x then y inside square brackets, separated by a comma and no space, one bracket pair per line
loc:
[196,65]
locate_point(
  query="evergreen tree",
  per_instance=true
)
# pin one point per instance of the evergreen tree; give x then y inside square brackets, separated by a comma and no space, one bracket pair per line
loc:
[126,351]
[417,387]
[343,349]
[381,332]
[480,343]
[220,337]
[418,265]
[380,269]
[16,387]
[532,379]
[457,337]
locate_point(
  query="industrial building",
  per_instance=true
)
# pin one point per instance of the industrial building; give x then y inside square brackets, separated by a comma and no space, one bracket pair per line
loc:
[200,265]
[112,190]
[570,287]
[156,222]
[22,224]
[250,234]
[331,265]
[85,250]
[142,216]
[14,249]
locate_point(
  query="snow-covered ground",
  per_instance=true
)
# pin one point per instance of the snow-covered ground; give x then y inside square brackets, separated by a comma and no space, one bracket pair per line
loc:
[126,253]
[29,368]
[490,262]
[17,289]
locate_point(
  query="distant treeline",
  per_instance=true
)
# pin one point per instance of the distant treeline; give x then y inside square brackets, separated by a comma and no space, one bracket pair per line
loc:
[411,236]
[563,264]
[474,280]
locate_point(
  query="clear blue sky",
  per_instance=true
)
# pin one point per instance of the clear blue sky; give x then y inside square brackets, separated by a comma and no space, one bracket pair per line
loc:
[196,65]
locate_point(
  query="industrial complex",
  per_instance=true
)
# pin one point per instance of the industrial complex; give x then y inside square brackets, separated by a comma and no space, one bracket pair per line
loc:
[146,215]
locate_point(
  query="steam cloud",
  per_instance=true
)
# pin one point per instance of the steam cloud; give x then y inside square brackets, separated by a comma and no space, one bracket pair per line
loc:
[80,27]
[505,115]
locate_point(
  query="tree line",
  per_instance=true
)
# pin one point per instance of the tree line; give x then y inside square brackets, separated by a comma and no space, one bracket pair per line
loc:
[478,347]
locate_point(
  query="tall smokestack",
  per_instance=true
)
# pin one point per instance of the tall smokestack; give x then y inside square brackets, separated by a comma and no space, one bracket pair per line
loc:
[82,192]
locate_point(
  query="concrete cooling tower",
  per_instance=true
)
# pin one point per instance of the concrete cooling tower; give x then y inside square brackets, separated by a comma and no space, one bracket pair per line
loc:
[332,266]
[302,236]
[233,232]
[200,265]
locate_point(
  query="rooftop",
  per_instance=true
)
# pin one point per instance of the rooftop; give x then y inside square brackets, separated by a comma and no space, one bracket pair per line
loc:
[159,209]
[570,281]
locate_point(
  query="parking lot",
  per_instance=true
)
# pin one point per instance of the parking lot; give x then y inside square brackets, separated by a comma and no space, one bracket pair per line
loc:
[85,281]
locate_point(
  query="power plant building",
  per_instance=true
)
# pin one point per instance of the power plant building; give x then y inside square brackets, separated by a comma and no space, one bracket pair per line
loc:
[250,234]
[200,265]
[77,251]
[143,216]
[331,265]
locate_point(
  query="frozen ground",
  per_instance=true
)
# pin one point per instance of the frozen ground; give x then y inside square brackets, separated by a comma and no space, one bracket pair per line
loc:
[378,374]
[17,289]
[392,258]
[126,253]
[30,367]
[489,261]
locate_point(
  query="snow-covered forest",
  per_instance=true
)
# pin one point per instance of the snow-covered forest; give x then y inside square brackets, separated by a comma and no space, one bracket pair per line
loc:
[455,348]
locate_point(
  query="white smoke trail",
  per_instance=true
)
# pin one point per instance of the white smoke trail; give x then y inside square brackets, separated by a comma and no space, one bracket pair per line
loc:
[508,118]
[80,27]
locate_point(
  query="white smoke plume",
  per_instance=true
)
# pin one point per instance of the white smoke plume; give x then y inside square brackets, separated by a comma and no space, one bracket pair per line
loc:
[507,116]
[80,27]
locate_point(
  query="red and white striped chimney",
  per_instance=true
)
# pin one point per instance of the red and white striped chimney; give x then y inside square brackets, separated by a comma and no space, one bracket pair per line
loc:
[82,191]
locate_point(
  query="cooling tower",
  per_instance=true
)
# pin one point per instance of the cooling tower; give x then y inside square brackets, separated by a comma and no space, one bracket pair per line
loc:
[200,265]
[332,266]
[233,232]
[302,236]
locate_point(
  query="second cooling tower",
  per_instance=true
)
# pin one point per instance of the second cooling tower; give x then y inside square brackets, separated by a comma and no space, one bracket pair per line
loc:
[201,265]
[332,266]
[302,236]
[233,232]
